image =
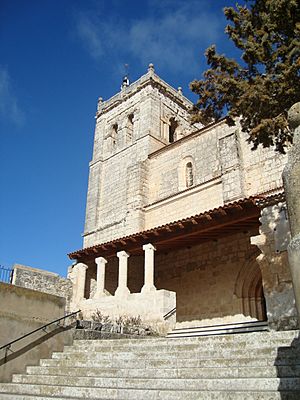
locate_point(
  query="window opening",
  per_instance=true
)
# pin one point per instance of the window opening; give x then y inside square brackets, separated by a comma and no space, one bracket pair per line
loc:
[189,177]
[172,130]
[114,133]
[130,127]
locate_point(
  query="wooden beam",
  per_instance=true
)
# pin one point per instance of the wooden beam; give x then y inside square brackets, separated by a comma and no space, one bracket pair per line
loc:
[180,224]
[194,222]
[215,229]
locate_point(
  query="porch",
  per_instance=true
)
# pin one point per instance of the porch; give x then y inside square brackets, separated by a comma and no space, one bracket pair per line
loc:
[204,265]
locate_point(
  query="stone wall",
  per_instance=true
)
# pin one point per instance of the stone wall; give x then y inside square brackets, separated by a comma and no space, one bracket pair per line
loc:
[166,165]
[136,189]
[205,279]
[21,311]
[43,281]
[262,168]
[224,167]
[118,180]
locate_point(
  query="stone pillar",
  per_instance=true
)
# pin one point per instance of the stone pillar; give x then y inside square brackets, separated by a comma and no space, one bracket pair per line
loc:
[274,266]
[77,276]
[149,268]
[122,289]
[291,181]
[100,261]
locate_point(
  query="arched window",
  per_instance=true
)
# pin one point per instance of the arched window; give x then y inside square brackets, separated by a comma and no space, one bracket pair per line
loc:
[114,134]
[129,132]
[172,130]
[189,176]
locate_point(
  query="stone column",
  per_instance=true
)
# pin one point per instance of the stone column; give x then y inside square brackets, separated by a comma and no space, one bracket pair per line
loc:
[291,181]
[77,276]
[100,261]
[122,289]
[149,250]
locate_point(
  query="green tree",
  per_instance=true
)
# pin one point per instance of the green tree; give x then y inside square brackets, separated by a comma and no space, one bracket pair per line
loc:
[265,83]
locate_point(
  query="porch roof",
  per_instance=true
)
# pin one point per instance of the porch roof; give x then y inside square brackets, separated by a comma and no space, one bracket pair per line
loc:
[238,216]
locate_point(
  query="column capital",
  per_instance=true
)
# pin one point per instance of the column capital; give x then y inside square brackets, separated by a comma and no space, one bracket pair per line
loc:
[100,260]
[149,246]
[80,266]
[122,254]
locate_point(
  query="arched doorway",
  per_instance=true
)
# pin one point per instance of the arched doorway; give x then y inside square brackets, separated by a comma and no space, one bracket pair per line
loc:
[249,288]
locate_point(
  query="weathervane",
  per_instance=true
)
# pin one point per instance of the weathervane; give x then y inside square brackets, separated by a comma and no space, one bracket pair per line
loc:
[125,81]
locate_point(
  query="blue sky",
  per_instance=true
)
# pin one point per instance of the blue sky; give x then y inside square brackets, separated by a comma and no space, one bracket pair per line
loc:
[57,57]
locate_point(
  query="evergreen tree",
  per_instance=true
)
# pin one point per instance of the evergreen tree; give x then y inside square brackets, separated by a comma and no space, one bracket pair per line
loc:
[266,83]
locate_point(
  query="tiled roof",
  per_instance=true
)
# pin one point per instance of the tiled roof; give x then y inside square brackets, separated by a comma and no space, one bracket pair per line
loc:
[237,216]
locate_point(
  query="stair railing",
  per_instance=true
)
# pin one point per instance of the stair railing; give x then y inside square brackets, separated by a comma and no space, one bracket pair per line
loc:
[169,313]
[6,274]
[7,346]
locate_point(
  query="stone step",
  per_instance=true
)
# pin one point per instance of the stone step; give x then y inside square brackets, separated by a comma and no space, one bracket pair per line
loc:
[175,353]
[254,366]
[137,394]
[147,362]
[254,337]
[56,385]
[243,327]
[234,372]
[238,345]
[163,383]
[175,345]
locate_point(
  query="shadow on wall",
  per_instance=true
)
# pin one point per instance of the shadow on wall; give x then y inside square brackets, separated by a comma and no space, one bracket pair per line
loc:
[135,278]
[288,366]
[39,345]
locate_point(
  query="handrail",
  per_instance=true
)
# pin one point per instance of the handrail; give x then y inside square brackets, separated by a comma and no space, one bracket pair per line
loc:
[169,313]
[8,345]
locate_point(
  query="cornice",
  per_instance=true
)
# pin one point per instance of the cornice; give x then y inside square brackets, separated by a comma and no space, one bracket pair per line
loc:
[148,79]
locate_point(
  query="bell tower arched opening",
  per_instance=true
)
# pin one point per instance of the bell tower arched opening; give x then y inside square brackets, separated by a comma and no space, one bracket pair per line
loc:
[172,130]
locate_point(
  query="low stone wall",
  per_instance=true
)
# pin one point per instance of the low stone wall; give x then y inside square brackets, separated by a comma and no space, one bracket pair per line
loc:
[149,306]
[43,281]
[21,311]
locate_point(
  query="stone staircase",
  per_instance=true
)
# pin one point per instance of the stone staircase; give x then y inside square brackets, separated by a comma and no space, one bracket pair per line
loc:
[256,366]
[241,327]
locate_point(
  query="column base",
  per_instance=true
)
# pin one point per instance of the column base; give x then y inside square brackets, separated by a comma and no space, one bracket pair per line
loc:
[122,292]
[98,295]
[148,289]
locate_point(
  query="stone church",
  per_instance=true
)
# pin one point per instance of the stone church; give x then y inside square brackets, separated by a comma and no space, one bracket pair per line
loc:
[185,224]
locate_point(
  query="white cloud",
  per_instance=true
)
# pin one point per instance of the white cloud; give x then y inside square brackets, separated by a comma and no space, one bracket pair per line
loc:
[173,39]
[90,35]
[172,36]
[9,108]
